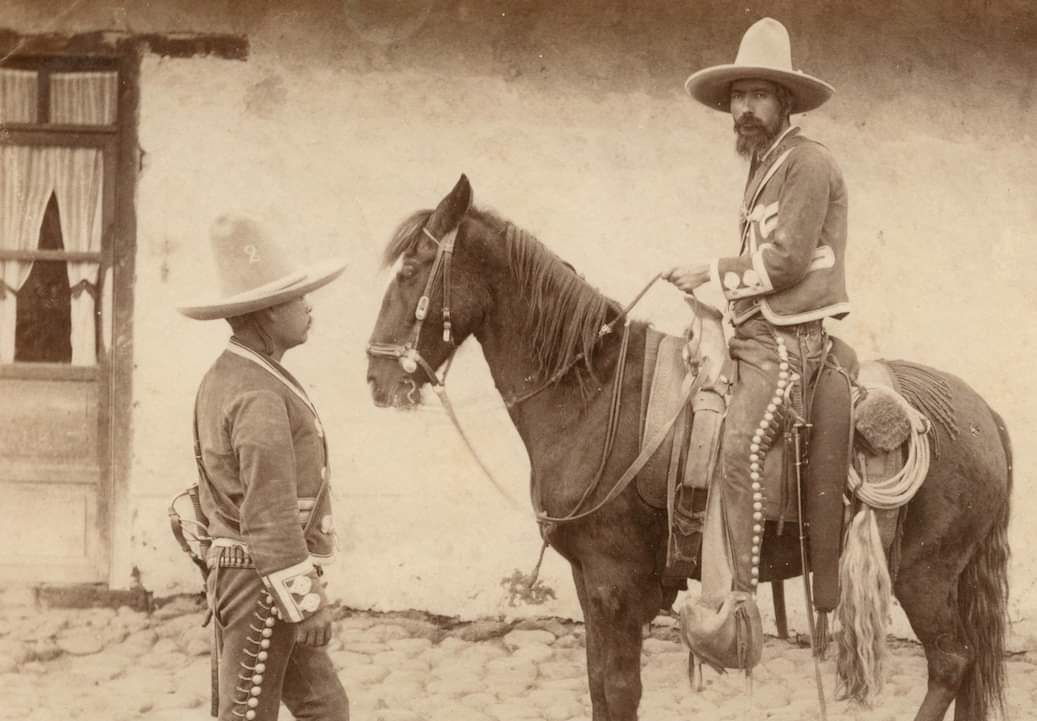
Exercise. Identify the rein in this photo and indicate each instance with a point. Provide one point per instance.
(610, 436)
(410, 359)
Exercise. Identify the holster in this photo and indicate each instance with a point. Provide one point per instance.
(199, 533)
(684, 536)
(708, 406)
(827, 462)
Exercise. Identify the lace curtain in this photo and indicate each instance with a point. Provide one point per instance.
(83, 98)
(18, 96)
(28, 177)
(78, 177)
(86, 98)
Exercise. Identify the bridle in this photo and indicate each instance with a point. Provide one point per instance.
(408, 355)
(410, 358)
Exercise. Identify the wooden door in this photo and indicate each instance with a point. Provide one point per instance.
(59, 136)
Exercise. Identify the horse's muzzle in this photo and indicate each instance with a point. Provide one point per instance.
(400, 392)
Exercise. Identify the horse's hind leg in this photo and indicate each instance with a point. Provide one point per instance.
(952, 581)
(936, 547)
(929, 596)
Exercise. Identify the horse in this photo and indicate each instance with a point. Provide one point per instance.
(466, 272)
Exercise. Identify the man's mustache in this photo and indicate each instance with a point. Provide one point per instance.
(749, 122)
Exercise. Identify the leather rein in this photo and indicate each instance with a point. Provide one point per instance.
(410, 359)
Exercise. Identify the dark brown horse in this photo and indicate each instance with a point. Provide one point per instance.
(538, 324)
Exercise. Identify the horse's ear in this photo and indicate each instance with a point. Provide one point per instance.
(451, 209)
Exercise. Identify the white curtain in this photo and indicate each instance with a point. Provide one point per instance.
(78, 176)
(26, 183)
(18, 96)
(83, 98)
(29, 177)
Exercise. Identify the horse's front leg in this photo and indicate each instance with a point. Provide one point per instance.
(617, 599)
(595, 651)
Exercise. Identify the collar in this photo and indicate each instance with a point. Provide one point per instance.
(788, 131)
(272, 367)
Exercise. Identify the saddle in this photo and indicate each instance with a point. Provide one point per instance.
(677, 477)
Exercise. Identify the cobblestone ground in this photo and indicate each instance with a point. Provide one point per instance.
(121, 665)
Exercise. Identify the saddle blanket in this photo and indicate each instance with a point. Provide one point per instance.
(664, 372)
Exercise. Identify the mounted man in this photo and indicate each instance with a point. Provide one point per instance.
(606, 478)
(788, 277)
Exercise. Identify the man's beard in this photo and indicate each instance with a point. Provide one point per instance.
(759, 140)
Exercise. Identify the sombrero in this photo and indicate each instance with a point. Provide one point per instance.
(764, 54)
(255, 272)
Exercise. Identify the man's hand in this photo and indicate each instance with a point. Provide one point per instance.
(315, 630)
(687, 277)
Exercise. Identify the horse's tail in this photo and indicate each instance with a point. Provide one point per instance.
(983, 610)
(863, 611)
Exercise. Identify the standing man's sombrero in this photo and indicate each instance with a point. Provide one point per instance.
(255, 272)
(764, 54)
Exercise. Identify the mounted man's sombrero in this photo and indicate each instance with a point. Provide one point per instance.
(764, 54)
(255, 272)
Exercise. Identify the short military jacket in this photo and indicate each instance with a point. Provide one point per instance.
(265, 456)
(792, 263)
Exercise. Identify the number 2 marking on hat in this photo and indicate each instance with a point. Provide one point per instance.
(252, 253)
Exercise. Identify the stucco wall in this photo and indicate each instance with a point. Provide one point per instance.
(572, 122)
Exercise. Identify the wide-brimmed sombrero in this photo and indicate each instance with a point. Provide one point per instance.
(255, 272)
(765, 53)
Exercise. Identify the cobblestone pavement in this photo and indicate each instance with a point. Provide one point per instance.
(120, 665)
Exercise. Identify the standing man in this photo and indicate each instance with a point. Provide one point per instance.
(264, 487)
(788, 276)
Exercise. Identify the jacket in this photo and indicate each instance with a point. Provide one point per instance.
(792, 263)
(265, 459)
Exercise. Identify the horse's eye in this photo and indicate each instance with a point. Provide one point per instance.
(406, 273)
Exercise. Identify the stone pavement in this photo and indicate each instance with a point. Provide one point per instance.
(103, 664)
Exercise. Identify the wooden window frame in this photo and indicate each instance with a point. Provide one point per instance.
(105, 138)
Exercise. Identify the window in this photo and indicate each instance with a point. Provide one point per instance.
(58, 118)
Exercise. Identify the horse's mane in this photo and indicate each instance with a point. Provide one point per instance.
(565, 313)
(406, 237)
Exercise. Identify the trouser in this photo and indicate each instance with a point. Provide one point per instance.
(769, 359)
(260, 664)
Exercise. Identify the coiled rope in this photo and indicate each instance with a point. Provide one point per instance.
(901, 487)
